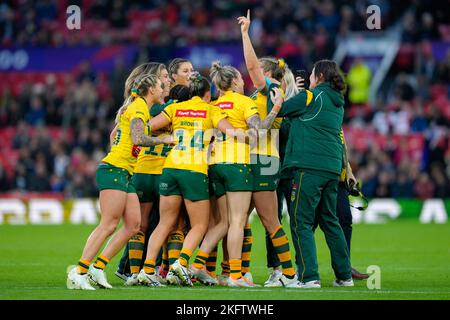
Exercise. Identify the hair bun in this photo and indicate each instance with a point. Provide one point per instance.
(216, 65)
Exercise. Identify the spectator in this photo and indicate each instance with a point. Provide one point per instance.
(21, 177)
(424, 188)
(117, 79)
(37, 113)
(117, 15)
(441, 182)
(5, 184)
(358, 80)
(444, 71)
(419, 122)
(428, 28)
(384, 185)
(369, 178)
(381, 121)
(403, 90)
(410, 32)
(39, 181)
(21, 138)
(61, 160)
(402, 187)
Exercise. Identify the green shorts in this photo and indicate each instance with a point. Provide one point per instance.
(266, 172)
(230, 177)
(108, 176)
(147, 186)
(190, 185)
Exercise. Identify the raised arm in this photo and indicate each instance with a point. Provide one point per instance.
(251, 60)
(139, 138)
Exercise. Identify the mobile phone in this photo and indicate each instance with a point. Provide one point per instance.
(304, 75)
(301, 73)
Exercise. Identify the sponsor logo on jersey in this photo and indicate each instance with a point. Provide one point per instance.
(225, 105)
(187, 123)
(191, 113)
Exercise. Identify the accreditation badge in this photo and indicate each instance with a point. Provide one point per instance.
(294, 191)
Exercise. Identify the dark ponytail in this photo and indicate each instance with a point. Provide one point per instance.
(199, 85)
(328, 71)
(179, 93)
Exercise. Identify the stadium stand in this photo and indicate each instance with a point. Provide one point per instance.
(54, 125)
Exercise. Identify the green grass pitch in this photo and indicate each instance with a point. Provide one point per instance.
(414, 261)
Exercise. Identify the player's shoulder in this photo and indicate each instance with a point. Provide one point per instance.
(181, 104)
(137, 108)
(244, 100)
(137, 104)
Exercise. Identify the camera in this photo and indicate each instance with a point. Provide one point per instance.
(354, 190)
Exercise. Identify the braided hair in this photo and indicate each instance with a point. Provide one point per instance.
(139, 88)
(146, 68)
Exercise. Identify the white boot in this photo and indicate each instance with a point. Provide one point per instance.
(78, 281)
(98, 276)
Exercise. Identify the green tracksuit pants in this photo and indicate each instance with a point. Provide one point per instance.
(314, 195)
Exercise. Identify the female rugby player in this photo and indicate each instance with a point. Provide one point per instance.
(118, 197)
(185, 176)
(266, 74)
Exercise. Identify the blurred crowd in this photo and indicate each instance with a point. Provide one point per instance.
(301, 31)
(413, 99)
(65, 159)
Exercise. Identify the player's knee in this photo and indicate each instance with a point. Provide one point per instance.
(169, 227)
(135, 226)
(109, 225)
(131, 229)
(200, 228)
(223, 227)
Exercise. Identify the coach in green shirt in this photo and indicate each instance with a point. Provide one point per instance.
(314, 158)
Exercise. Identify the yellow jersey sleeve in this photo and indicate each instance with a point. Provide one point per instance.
(216, 115)
(249, 107)
(139, 110)
(169, 111)
(123, 152)
(151, 159)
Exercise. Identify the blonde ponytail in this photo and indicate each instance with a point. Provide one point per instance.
(123, 108)
(291, 88)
